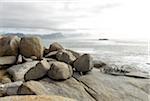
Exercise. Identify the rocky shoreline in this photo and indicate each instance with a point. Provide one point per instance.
(28, 68)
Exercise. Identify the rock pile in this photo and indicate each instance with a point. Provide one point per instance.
(25, 59)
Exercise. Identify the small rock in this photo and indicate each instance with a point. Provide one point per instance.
(19, 60)
(46, 51)
(55, 47)
(84, 63)
(9, 45)
(18, 71)
(10, 88)
(32, 88)
(60, 71)
(99, 64)
(7, 60)
(38, 71)
(24, 59)
(65, 56)
(31, 46)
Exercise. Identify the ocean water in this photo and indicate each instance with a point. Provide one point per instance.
(119, 52)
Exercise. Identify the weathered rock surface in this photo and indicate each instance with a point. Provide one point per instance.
(84, 63)
(65, 56)
(38, 71)
(32, 88)
(4, 77)
(104, 87)
(55, 47)
(10, 88)
(18, 71)
(68, 88)
(9, 45)
(76, 54)
(36, 98)
(31, 46)
(60, 71)
(7, 60)
(51, 54)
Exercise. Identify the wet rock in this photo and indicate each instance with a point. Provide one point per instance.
(31, 46)
(32, 88)
(84, 63)
(18, 71)
(9, 45)
(65, 56)
(7, 60)
(55, 47)
(38, 71)
(60, 71)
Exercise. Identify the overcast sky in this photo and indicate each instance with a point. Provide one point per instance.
(108, 18)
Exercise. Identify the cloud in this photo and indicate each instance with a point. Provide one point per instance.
(49, 14)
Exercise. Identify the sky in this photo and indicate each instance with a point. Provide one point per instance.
(118, 19)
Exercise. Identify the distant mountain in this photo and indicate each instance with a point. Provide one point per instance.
(14, 34)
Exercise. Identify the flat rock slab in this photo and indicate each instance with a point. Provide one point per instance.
(7, 60)
(35, 98)
(18, 71)
(68, 88)
(104, 87)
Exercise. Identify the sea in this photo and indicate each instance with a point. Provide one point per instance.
(120, 52)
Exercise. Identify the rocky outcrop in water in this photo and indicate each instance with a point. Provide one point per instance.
(31, 71)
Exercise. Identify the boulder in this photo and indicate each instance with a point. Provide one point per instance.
(55, 47)
(18, 71)
(60, 71)
(51, 54)
(31, 46)
(9, 45)
(7, 60)
(36, 98)
(84, 63)
(38, 71)
(32, 88)
(76, 54)
(65, 56)
(10, 88)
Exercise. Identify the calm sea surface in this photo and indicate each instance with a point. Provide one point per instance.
(133, 53)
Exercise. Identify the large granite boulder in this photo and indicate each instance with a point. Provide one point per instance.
(10, 88)
(36, 98)
(84, 63)
(9, 45)
(38, 71)
(55, 47)
(31, 46)
(32, 88)
(65, 56)
(18, 71)
(7, 60)
(60, 71)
